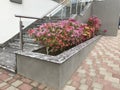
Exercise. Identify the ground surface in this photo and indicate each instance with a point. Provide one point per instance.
(7, 58)
(100, 71)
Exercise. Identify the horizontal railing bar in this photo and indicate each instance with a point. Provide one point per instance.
(21, 16)
(54, 18)
(54, 8)
(30, 17)
(92, 1)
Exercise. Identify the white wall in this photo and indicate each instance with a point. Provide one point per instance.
(108, 11)
(9, 24)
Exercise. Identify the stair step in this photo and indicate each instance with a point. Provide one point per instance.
(26, 45)
(25, 35)
(26, 40)
(8, 68)
(14, 45)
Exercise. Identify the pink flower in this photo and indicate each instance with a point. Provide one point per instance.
(31, 32)
(73, 20)
(94, 22)
(105, 31)
(38, 34)
(49, 34)
(69, 28)
(64, 34)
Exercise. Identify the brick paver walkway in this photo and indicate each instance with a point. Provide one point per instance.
(100, 71)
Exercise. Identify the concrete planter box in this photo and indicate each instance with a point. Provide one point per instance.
(53, 71)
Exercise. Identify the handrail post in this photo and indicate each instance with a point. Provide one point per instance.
(80, 7)
(70, 7)
(62, 13)
(50, 17)
(77, 7)
(21, 34)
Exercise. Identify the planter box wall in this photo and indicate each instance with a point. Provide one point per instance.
(50, 72)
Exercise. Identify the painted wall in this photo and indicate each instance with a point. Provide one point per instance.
(108, 11)
(9, 25)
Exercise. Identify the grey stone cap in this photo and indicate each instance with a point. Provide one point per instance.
(61, 58)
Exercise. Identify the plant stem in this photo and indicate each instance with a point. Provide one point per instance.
(47, 50)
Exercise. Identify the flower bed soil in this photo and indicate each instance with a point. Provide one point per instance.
(43, 50)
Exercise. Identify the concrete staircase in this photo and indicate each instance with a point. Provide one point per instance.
(29, 43)
(7, 56)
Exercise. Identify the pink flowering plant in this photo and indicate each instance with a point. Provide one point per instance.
(61, 35)
(94, 23)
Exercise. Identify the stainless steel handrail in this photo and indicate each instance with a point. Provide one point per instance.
(54, 8)
(29, 17)
(43, 17)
